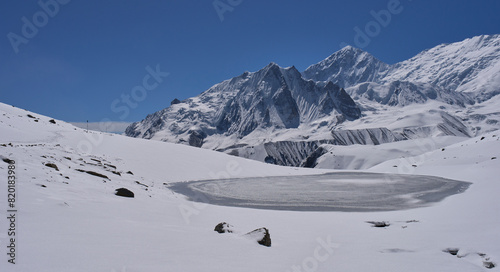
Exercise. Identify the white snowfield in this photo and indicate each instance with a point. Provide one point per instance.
(69, 220)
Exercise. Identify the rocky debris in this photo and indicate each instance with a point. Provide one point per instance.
(93, 173)
(130, 173)
(52, 121)
(489, 264)
(261, 235)
(52, 165)
(96, 160)
(486, 261)
(452, 251)
(110, 165)
(223, 228)
(142, 184)
(378, 224)
(31, 116)
(124, 192)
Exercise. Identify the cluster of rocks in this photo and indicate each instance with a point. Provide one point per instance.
(260, 235)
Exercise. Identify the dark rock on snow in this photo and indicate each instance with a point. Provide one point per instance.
(124, 192)
(52, 165)
(261, 235)
(223, 228)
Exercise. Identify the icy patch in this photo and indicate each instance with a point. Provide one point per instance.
(345, 191)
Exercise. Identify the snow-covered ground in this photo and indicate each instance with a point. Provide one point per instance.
(69, 220)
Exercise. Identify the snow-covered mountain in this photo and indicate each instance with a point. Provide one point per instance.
(471, 66)
(282, 116)
(271, 99)
(347, 68)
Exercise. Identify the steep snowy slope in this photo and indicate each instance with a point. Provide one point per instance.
(347, 68)
(471, 66)
(69, 220)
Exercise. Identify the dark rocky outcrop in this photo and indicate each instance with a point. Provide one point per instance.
(52, 165)
(311, 161)
(196, 138)
(379, 224)
(124, 192)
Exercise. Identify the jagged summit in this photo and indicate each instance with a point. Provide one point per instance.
(272, 98)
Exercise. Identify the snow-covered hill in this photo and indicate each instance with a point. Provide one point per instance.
(69, 219)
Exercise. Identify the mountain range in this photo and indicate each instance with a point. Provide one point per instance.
(287, 117)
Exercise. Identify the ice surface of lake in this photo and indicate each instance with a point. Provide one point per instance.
(341, 191)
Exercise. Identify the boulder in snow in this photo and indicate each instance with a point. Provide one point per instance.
(124, 192)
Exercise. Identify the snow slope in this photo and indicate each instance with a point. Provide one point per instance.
(78, 224)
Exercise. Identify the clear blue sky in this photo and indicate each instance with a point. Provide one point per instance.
(92, 51)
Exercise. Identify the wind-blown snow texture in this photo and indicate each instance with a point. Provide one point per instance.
(281, 116)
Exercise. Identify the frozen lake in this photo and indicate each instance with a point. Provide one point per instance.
(343, 191)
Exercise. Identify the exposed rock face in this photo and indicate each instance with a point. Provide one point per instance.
(196, 138)
(311, 160)
(291, 153)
